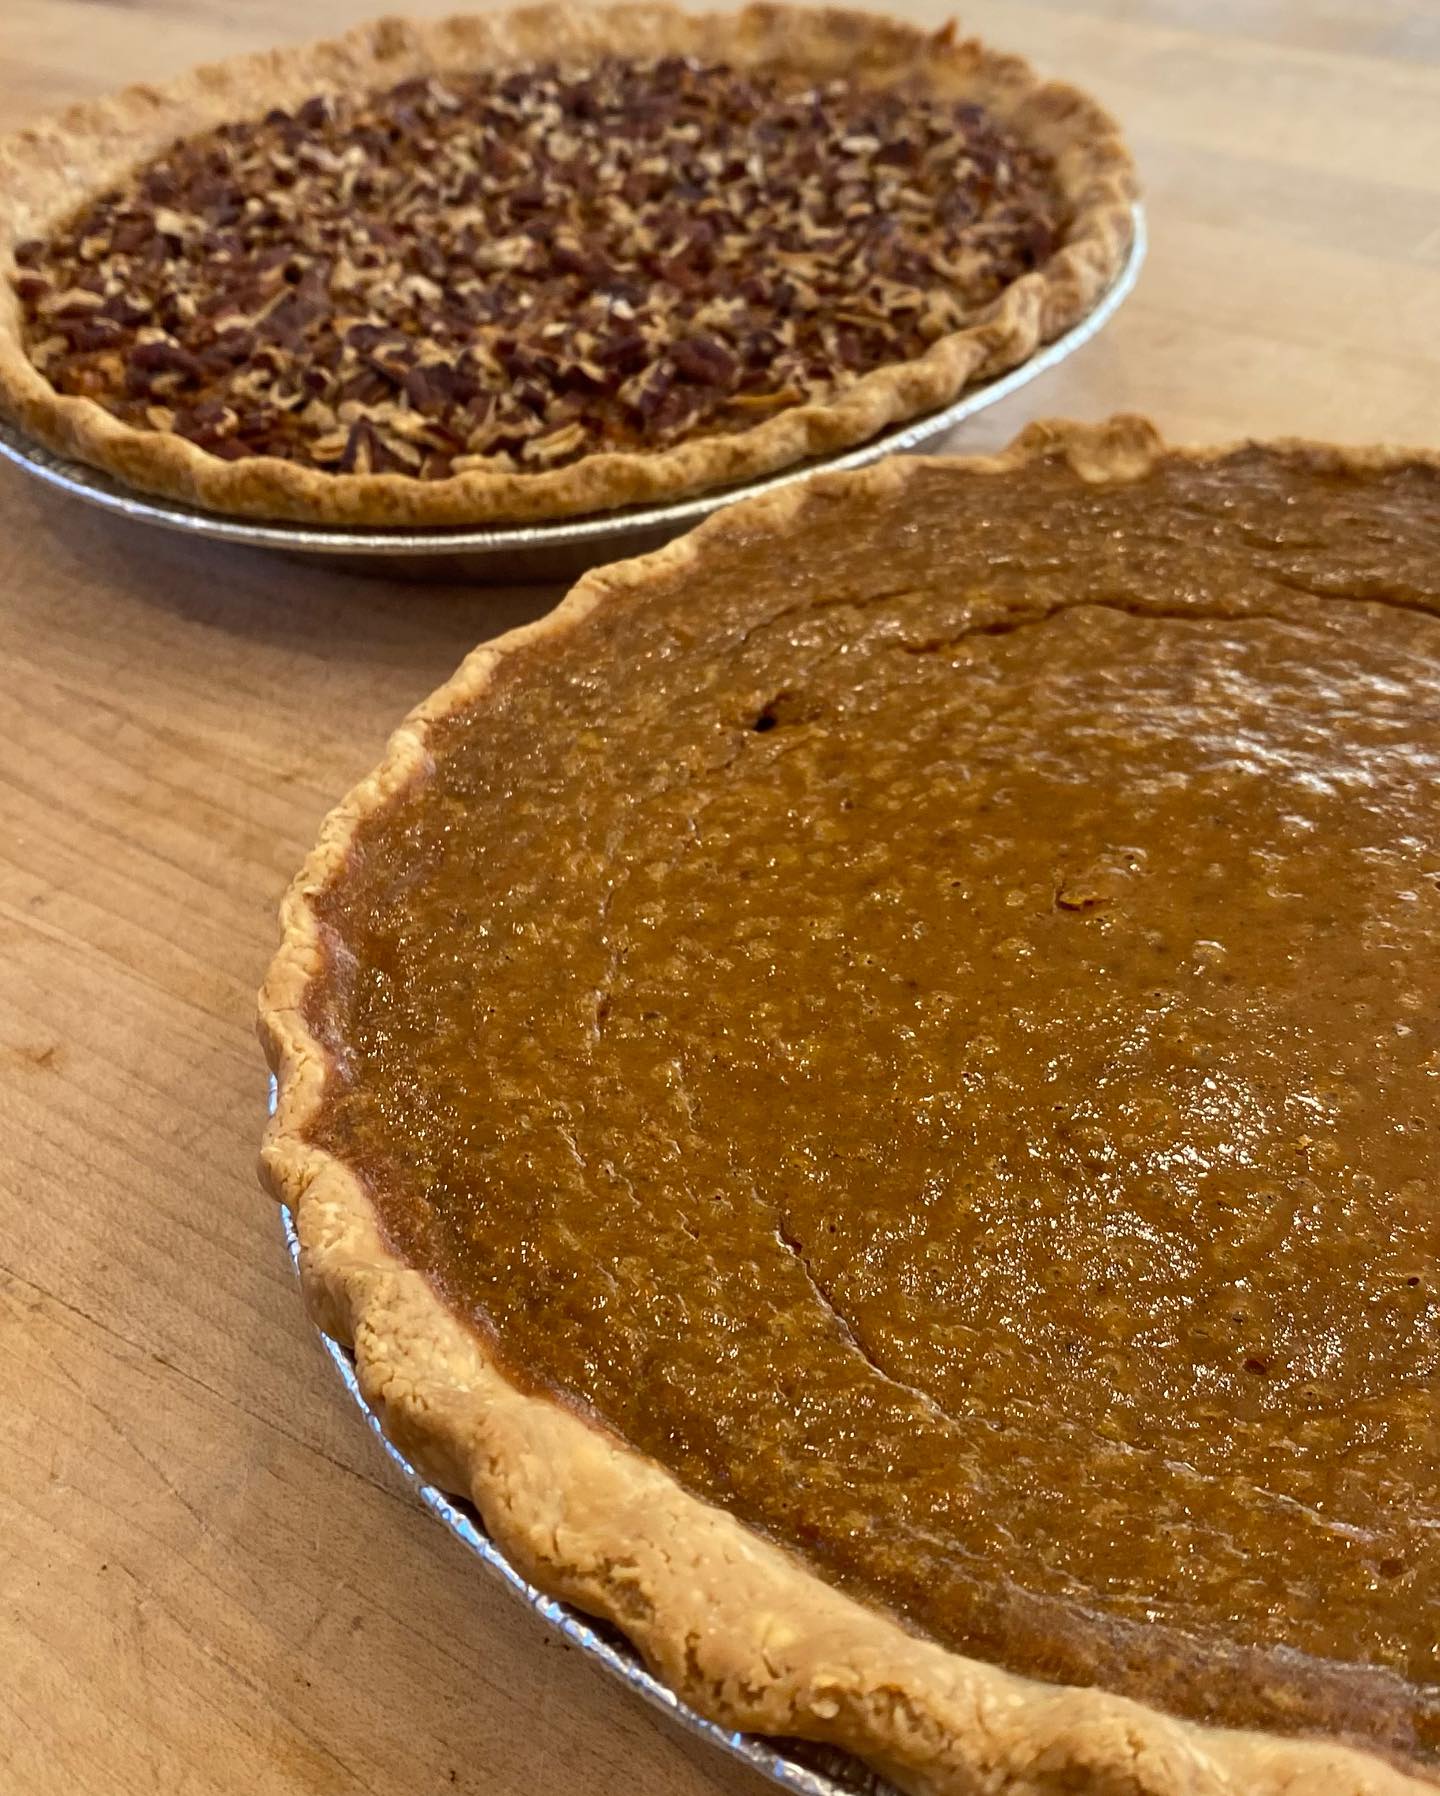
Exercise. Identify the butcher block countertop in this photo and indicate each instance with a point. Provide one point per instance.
(211, 1582)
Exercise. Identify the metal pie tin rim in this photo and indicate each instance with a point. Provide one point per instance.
(606, 1645)
(96, 487)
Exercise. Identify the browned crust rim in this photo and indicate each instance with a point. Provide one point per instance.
(740, 1629)
(100, 140)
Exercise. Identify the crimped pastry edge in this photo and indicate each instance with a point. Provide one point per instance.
(47, 167)
(736, 1625)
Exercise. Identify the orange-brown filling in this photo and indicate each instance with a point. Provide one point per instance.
(926, 1024)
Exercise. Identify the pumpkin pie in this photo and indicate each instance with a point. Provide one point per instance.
(544, 262)
(867, 1088)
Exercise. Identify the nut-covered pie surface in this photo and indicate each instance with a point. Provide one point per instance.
(663, 253)
(868, 1089)
(501, 271)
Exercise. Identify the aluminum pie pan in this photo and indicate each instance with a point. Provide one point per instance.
(795, 1765)
(556, 550)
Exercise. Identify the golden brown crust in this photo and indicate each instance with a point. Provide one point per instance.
(45, 169)
(741, 1630)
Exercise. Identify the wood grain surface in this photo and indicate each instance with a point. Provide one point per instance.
(209, 1580)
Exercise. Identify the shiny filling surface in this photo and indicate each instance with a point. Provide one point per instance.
(924, 1021)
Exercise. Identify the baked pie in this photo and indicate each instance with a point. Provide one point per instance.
(867, 1089)
(545, 262)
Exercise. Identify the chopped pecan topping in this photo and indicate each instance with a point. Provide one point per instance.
(514, 271)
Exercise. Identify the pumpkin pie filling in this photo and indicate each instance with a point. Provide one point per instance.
(925, 1026)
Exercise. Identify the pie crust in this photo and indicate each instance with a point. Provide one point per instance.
(47, 167)
(741, 1630)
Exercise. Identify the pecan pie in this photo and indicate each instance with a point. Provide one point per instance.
(546, 262)
(867, 1088)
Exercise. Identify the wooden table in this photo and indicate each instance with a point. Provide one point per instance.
(209, 1580)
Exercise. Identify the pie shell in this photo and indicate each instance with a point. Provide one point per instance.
(740, 1628)
(48, 168)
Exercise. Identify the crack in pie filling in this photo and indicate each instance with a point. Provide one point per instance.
(913, 1012)
(545, 261)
